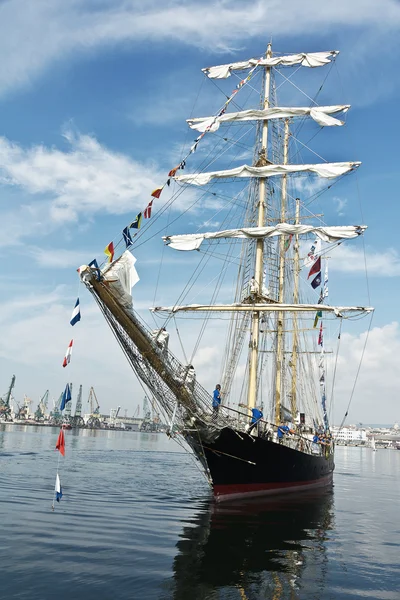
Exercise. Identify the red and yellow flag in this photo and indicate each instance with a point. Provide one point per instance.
(156, 193)
(109, 251)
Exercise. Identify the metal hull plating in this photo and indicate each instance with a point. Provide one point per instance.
(241, 465)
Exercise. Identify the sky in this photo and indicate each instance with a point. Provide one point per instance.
(93, 101)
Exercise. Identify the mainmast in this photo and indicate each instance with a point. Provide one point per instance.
(259, 266)
(296, 272)
(281, 297)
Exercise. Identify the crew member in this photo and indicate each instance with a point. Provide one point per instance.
(257, 415)
(216, 400)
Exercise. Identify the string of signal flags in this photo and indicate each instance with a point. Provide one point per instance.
(127, 237)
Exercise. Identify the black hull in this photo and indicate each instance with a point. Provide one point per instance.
(242, 465)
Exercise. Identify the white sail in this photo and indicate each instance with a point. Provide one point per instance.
(270, 307)
(121, 276)
(320, 114)
(326, 170)
(306, 59)
(193, 241)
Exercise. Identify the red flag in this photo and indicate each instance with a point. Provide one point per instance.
(320, 337)
(147, 210)
(315, 268)
(156, 193)
(61, 442)
(68, 353)
(109, 251)
(172, 172)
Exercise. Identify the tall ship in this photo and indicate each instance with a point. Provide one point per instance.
(265, 429)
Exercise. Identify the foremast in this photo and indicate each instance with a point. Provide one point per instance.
(259, 262)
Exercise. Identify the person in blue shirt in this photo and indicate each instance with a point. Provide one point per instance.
(216, 400)
(256, 416)
(282, 431)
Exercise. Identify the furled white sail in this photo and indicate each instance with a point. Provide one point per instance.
(326, 170)
(320, 114)
(121, 276)
(306, 59)
(193, 241)
(273, 307)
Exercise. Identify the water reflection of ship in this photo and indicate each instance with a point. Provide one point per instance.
(252, 550)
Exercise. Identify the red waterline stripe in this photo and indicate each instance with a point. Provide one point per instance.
(249, 488)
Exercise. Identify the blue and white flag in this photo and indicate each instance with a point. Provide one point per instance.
(66, 397)
(58, 488)
(76, 313)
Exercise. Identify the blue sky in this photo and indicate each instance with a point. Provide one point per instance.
(93, 102)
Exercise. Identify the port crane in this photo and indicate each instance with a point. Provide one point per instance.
(94, 417)
(5, 408)
(77, 419)
(40, 412)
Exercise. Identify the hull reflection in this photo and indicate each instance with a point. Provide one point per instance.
(255, 549)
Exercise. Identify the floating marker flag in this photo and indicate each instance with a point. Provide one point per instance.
(316, 281)
(66, 397)
(156, 193)
(137, 222)
(58, 488)
(147, 210)
(68, 353)
(109, 251)
(60, 445)
(315, 268)
(76, 313)
(127, 237)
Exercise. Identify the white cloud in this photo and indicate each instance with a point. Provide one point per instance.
(59, 258)
(36, 35)
(375, 397)
(341, 204)
(86, 179)
(352, 260)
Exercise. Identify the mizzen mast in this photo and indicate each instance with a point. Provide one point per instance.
(259, 264)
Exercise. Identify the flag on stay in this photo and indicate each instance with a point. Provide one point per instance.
(316, 281)
(315, 268)
(287, 243)
(320, 337)
(156, 193)
(313, 254)
(76, 313)
(66, 397)
(58, 488)
(93, 264)
(318, 315)
(68, 353)
(127, 237)
(325, 290)
(109, 251)
(173, 171)
(60, 445)
(136, 223)
(147, 210)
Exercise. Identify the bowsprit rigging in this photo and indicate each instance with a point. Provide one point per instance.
(277, 439)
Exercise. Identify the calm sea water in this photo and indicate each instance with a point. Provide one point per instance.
(137, 522)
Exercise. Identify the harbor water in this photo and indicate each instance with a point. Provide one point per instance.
(136, 521)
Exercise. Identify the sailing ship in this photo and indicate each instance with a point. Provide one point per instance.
(274, 436)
